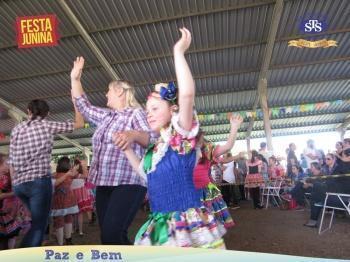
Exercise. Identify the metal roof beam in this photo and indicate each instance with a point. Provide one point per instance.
(226, 130)
(262, 82)
(198, 77)
(223, 121)
(343, 126)
(88, 40)
(221, 110)
(14, 112)
(86, 145)
(203, 50)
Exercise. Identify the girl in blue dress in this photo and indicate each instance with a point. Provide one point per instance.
(177, 216)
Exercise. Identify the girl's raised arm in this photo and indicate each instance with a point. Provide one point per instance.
(185, 80)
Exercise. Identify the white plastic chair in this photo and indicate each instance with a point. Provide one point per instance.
(344, 200)
(271, 189)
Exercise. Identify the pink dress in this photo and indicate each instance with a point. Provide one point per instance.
(82, 195)
(211, 195)
(13, 215)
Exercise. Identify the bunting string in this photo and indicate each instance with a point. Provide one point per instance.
(275, 112)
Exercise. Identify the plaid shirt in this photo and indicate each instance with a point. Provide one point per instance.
(109, 166)
(30, 148)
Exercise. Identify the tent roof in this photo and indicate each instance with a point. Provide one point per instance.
(229, 41)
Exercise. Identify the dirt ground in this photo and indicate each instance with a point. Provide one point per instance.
(268, 230)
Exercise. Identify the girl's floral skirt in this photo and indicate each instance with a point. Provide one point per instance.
(196, 227)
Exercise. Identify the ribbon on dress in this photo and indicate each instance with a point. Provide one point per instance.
(159, 233)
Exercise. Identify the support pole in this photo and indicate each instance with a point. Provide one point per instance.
(266, 115)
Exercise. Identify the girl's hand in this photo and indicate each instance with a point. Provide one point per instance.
(123, 140)
(184, 42)
(74, 171)
(77, 69)
(236, 121)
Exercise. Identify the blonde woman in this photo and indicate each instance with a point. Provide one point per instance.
(119, 190)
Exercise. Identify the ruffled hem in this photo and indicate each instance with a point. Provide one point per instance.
(213, 201)
(65, 211)
(85, 206)
(194, 228)
(84, 198)
(184, 133)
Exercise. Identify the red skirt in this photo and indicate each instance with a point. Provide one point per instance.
(84, 199)
(254, 180)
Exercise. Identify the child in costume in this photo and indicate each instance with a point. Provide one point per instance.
(207, 154)
(64, 203)
(82, 194)
(14, 217)
(176, 218)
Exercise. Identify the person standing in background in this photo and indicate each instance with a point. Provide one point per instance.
(291, 159)
(310, 155)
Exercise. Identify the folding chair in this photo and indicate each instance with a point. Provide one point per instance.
(307, 198)
(272, 189)
(344, 199)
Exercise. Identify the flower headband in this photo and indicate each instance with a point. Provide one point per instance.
(168, 93)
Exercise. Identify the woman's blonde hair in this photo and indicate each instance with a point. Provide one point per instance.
(129, 92)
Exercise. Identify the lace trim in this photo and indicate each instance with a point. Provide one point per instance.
(185, 133)
(157, 156)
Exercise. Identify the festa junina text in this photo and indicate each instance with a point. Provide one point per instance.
(36, 31)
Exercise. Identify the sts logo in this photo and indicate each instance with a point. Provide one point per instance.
(312, 25)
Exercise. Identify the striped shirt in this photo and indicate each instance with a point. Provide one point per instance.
(30, 148)
(109, 166)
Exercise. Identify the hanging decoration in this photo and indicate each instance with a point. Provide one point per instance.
(36, 31)
(310, 25)
(275, 111)
(302, 43)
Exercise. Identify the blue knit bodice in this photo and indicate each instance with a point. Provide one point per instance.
(170, 186)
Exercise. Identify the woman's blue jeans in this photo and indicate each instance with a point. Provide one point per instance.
(36, 195)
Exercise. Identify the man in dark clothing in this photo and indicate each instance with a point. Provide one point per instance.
(318, 195)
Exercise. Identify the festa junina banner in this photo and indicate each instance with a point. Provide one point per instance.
(35, 31)
(96, 253)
